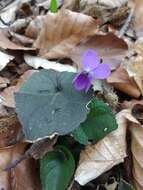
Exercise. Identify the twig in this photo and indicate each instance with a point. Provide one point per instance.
(37, 150)
(126, 24)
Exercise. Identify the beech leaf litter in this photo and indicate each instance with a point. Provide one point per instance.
(71, 94)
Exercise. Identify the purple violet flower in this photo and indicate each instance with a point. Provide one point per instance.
(92, 69)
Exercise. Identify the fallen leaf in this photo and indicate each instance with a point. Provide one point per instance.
(19, 24)
(121, 81)
(4, 82)
(20, 39)
(137, 152)
(38, 62)
(99, 158)
(8, 14)
(8, 93)
(5, 43)
(4, 59)
(106, 10)
(136, 128)
(35, 26)
(68, 31)
(24, 175)
(138, 14)
(106, 3)
(109, 47)
(10, 130)
(134, 66)
(72, 4)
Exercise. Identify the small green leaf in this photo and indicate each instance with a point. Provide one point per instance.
(80, 136)
(53, 6)
(48, 103)
(123, 185)
(100, 121)
(57, 169)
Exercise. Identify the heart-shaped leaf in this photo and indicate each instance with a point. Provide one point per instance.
(100, 121)
(47, 103)
(56, 169)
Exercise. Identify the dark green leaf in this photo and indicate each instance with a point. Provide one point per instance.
(47, 103)
(100, 121)
(53, 6)
(123, 185)
(80, 136)
(57, 169)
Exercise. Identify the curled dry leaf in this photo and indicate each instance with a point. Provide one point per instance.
(62, 31)
(37, 62)
(109, 47)
(17, 38)
(136, 128)
(8, 93)
(121, 81)
(134, 66)
(35, 26)
(99, 158)
(5, 43)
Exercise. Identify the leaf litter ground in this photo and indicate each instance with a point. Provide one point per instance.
(39, 34)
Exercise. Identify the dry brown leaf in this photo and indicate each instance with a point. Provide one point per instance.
(8, 93)
(5, 43)
(10, 130)
(121, 81)
(109, 47)
(136, 128)
(106, 3)
(138, 15)
(4, 59)
(62, 31)
(137, 151)
(134, 66)
(24, 175)
(37, 62)
(99, 158)
(114, 11)
(4, 82)
(72, 4)
(35, 26)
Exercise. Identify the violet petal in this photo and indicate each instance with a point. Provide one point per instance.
(90, 60)
(82, 82)
(101, 72)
